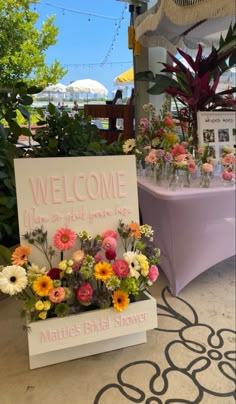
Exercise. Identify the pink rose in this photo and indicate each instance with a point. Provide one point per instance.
(85, 293)
(121, 268)
(227, 175)
(109, 233)
(153, 273)
(207, 168)
(109, 243)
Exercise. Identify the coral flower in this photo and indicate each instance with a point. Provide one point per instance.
(64, 239)
(103, 271)
(42, 285)
(135, 230)
(20, 255)
(121, 268)
(120, 300)
(56, 295)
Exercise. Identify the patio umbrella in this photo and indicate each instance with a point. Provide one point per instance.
(55, 88)
(125, 78)
(87, 86)
(184, 23)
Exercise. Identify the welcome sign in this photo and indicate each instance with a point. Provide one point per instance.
(82, 193)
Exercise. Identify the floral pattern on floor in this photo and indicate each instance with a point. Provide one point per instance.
(199, 358)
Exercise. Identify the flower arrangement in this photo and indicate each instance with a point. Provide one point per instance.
(154, 132)
(228, 162)
(93, 276)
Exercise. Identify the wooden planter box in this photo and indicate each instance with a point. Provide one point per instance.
(62, 339)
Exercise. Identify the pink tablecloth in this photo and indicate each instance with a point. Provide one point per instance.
(194, 228)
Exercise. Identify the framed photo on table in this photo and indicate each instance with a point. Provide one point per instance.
(218, 129)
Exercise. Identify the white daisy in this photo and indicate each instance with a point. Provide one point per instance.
(13, 280)
(129, 145)
(131, 258)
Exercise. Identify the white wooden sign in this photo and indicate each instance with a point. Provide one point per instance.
(82, 193)
(218, 129)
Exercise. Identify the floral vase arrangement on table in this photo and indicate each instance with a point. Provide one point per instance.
(93, 277)
(228, 163)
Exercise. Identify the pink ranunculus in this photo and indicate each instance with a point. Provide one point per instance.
(98, 257)
(207, 168)
(54, 273)
(84, 293)
(153, 273)
(110, 255)
(121, 268)
(227, 175)
(109, 233)
(78, 256)
(56, 295)
(180, 157)
(184, 144)
(109, 243)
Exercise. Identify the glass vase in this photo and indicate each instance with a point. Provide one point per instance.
(159, 174)
(205, 180)
(139, 167)
(174, 181)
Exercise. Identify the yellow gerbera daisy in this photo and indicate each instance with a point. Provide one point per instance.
(20, 255)
(120, 300)
(42, 285)
(103, 271)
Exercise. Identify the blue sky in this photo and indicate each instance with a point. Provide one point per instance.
(85, 39)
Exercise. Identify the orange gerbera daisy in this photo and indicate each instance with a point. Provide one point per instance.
(103, 271)
(42, 285)
(20, 255)
(120, 300)
(135, 230)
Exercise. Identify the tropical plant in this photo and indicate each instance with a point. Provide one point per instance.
(194, 82)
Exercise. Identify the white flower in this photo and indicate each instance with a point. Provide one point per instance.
(134, 266)
(129, 145)
(13, 279)
(34, 269)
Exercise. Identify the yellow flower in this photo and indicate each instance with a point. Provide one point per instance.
(144, 266)
(120, 300)
(39, 305)
(42, 285)
(43, 315)
(47, 305)
(171, 137)
(103, 271)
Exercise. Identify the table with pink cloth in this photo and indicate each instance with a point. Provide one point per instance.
(194, 227)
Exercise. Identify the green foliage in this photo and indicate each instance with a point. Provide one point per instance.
(23, 46)
(62, 135)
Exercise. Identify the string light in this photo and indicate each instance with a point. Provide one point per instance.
(80, 12)
(90, 65)
(114, 38)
